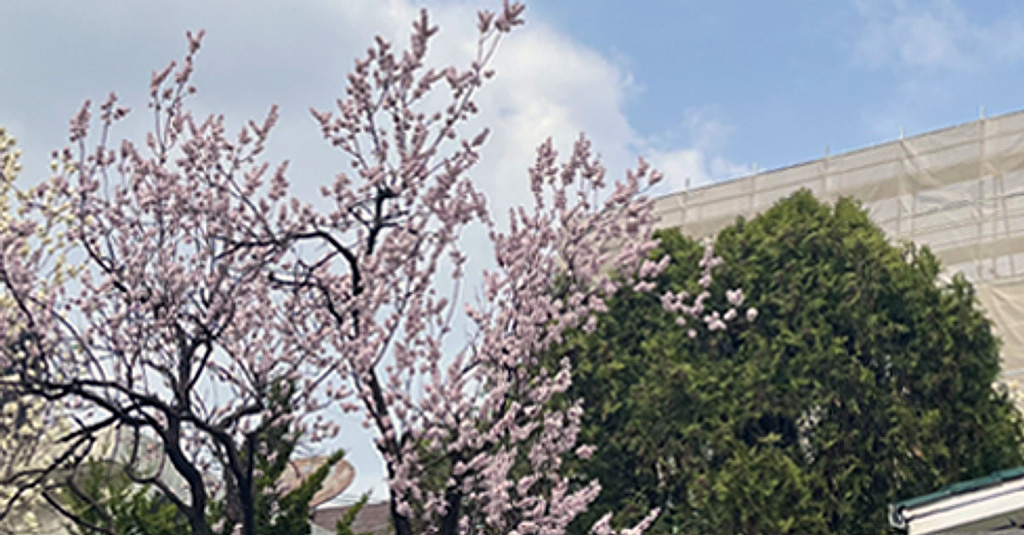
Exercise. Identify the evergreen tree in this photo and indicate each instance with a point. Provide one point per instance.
(866, 380)
(105, 497)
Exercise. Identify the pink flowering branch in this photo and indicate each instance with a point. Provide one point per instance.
(471, 441)
(203, 286)
(169, 330)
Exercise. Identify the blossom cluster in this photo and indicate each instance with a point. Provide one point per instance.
(201, 285)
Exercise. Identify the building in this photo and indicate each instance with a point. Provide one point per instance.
(959, 190)
(990, 504)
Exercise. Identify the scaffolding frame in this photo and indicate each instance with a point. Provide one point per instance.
(958, 190)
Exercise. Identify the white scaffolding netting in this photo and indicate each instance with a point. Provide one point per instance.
(960, 191)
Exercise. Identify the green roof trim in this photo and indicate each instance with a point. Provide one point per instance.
(963, 487)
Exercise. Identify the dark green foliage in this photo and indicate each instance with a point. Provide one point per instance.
(344, 525)
(286, 514)
(863, 381)
(135, 510)
(107, 499)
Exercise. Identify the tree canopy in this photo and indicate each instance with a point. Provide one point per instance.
(200, 282)
(109, 499)
(867, 379)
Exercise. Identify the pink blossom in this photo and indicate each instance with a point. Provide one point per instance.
(204, 285)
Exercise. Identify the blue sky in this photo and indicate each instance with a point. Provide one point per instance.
(779, 81)
(707, 89)
(703, 89)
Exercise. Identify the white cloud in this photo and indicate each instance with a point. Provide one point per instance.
(690, 155)
(935, 36)
(296, 54)
(932, 50)
(683, 168)
(549, 86)
(692, 168)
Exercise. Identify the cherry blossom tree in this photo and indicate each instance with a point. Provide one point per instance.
(20, 431)
(26, 423)
(205, 288)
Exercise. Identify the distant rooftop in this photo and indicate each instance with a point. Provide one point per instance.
(993, 503)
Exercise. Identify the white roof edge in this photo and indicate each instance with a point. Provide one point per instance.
(963, 510)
